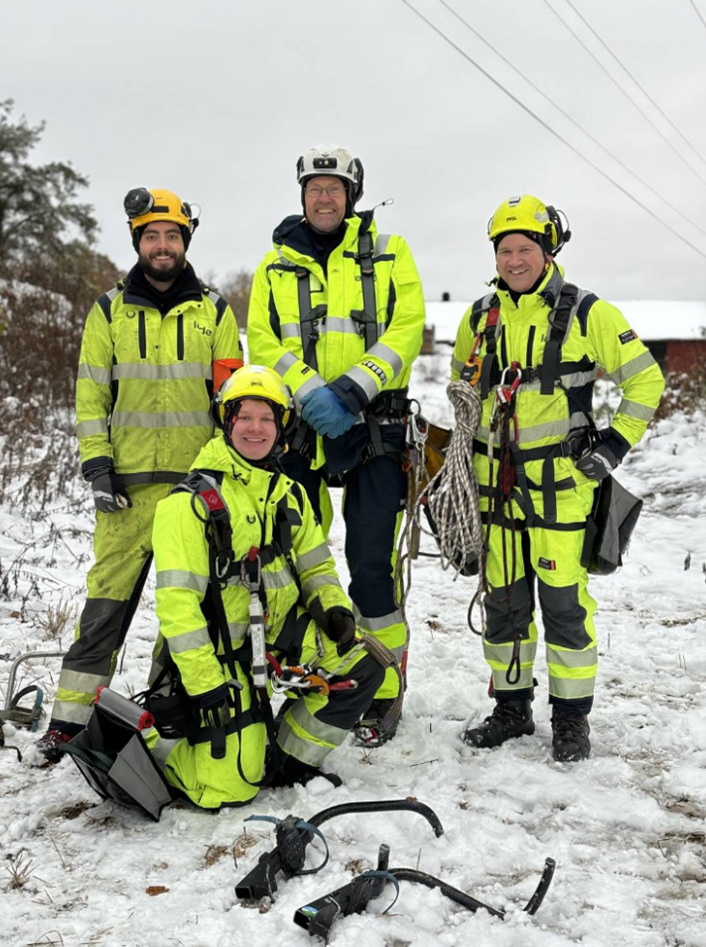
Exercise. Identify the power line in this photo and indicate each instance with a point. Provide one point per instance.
(551, 130)
(624, 91)
(638, 84)
(570, 117)
(698, 12)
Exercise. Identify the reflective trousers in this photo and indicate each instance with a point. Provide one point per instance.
(544, 565)
(373, 509)
(309, 729)
(122, 545)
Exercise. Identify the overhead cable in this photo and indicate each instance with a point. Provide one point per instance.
(570, 117)
(627, 95)
(552, 130)
(698, 12)
(638, 84)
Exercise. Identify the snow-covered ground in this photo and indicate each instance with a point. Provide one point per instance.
(626, 827)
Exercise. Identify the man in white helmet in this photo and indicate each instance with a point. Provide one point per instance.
(338, 311)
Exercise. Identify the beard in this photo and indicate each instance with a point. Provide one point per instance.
(163, 273)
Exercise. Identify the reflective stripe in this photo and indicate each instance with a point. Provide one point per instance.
(189, 640)
(285, 363)
(381, 242)
(382, 623)
(568, 658)
(498, 655)
(85, 428)
(380, 350)
(631, 368)
(317, 582)
(316, 381)
(237, 630)
(161, 750)
(341, 324)
(325, 732)
(457, 364)
(364, 379)
(315, 557)
(571, 688)
(279, 579)
(575, 380)
(632, 409)
(101, 376)
(292, 330)
(537, 432)
(500, 684)
(138, 370)
(82, 681)
(161, 419)
(181, 579)
(72, 712)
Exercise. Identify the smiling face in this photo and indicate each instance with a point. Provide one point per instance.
(325, 202)
(162, 251)
(520, 261)
(254, 430)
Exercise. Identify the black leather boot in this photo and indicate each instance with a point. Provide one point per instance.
(570, 740)
(510, 718)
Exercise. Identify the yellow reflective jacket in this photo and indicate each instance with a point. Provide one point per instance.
(253, 497)
(309, 322)
(145, 381)
(598, 337)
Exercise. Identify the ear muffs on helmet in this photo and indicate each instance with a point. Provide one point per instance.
(527, 214)
(259, 383)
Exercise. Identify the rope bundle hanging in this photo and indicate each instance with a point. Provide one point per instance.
(451, 496)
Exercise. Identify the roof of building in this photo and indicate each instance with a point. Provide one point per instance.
(653, 320)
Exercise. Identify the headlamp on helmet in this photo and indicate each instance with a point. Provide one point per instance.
(144, 207)
(527, 214)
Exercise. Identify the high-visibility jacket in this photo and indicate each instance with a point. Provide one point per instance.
(145, 382)
(597, 336)
(315, 326)
(255, 498)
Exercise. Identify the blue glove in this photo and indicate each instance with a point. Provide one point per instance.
(326, 413)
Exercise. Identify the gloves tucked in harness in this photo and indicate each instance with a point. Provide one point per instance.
(108, 495)
(213, 707)
(326, 413)
(339, 626)
(597, 453)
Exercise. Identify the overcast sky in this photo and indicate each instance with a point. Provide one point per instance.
(217, 100)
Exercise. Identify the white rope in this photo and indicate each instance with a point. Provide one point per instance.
(452, 495)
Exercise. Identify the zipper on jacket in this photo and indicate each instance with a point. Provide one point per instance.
(142, 334)
(180, 336)
(530, 346)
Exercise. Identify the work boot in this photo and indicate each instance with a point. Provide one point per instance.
(570, 741)
(510, 718)
(292, 772)
(371, 730)
(50, 745)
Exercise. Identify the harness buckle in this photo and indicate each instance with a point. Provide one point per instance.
(504, 392)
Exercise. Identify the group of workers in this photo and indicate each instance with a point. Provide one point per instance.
(220, 471)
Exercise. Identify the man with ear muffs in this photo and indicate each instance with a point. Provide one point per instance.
(154, 349)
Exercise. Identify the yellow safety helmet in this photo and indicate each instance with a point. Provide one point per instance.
(259, 383)
(527, 214)
(145, 207)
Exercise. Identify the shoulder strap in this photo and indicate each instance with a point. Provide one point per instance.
(364, 258)
(489, 304)
(106, 301)
(560, 319)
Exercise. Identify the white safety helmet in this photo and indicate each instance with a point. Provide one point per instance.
(334, 161)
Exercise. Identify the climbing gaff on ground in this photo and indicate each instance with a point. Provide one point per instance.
(319, 917)
(13, 712)
(293, 835)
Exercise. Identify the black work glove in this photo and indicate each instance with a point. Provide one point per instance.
(108, 495)
(597, 453)
(340, 627)
(213, 707)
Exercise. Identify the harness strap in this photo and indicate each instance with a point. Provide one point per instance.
(559, 326)
(368, 317)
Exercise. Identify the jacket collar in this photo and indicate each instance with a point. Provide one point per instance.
(139, 291)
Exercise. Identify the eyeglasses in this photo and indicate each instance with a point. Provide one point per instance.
(333, 190)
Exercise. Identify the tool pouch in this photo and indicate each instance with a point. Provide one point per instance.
(114, 759)
(609, 527)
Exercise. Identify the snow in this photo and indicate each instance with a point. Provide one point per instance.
(652, 319)
(625, 827)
